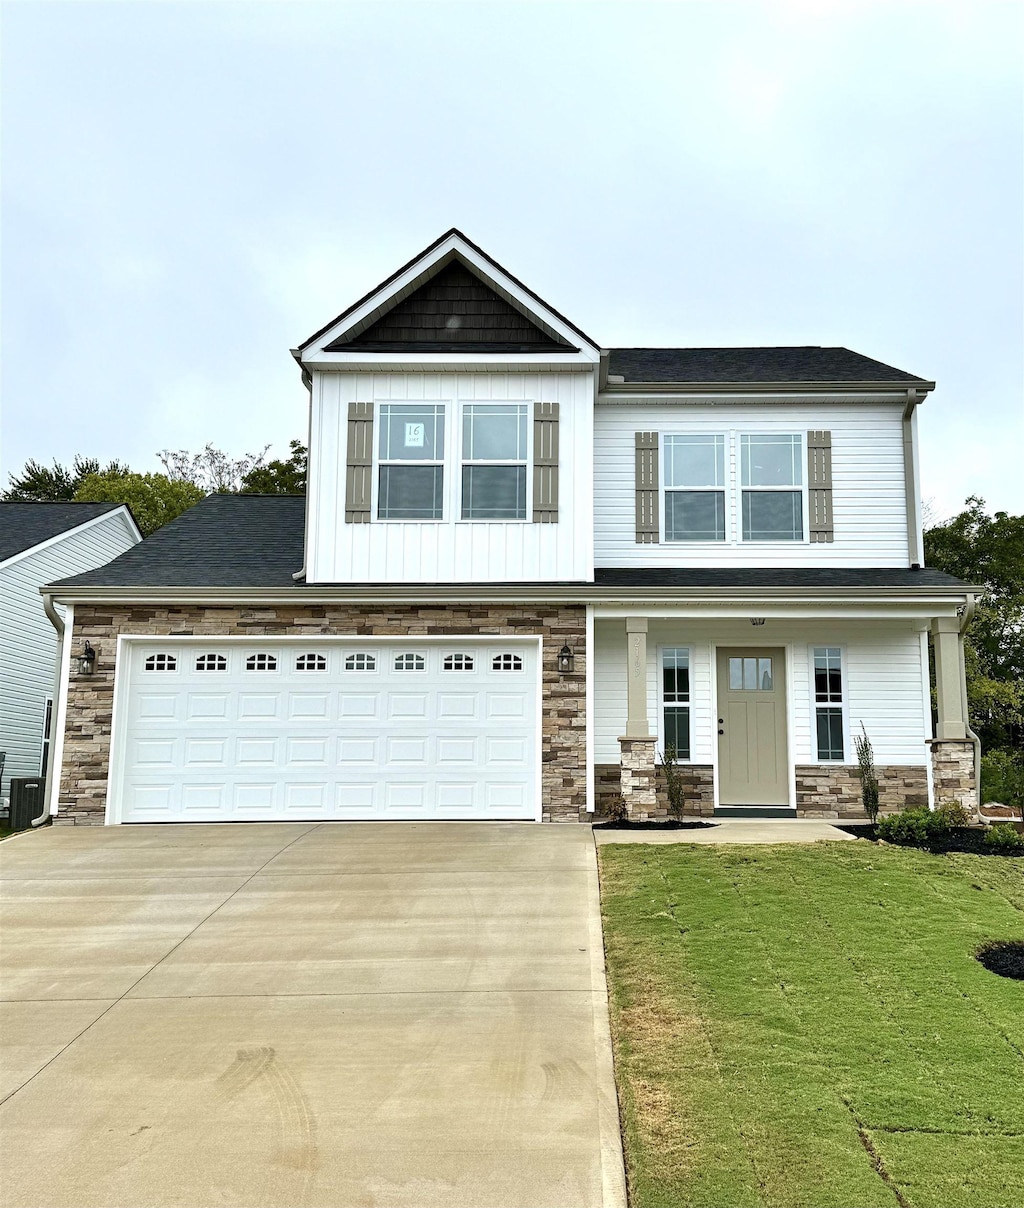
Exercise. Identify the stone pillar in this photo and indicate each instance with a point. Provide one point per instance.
(953, 772)
(637, 770)
(949, 653)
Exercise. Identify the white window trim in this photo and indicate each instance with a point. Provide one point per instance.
(527, 459)
(689, 648)
(733, 490)
(845, 705)
(444, 462)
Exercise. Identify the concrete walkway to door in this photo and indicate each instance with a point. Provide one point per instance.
(398, 1015)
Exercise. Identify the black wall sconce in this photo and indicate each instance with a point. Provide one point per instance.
(87, 661)
(566, 661)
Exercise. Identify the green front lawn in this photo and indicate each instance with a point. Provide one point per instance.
(806, 1026)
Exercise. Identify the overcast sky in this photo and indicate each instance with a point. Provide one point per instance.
(191, 189)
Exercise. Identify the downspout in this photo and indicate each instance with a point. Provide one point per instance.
(58, 623)
(307, 381)
(969, 610)
(911, 483)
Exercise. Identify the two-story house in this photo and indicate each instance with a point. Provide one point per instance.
(525, 566)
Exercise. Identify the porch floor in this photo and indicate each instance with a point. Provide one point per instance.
(735, 830)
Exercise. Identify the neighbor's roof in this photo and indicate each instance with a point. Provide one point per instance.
(747, 365)
(23, 525)
(255, 541)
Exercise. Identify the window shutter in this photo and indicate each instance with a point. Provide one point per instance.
(359, 465)
(819, 484)
(545, 463)
(647, 488)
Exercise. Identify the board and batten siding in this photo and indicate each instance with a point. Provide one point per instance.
(450, 550)
(28, 642)
(868, 485)
(885, 682)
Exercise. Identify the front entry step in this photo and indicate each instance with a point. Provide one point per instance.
(754, 811)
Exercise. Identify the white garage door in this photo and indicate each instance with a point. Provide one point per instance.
(219, 731)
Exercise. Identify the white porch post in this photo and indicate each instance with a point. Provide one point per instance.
(637, 723)
(637, 770)
(948, 656)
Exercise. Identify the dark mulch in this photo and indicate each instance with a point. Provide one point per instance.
(969, 839)
(1005, 957)
(654, 824)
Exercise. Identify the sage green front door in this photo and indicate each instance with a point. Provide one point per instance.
(752, 766)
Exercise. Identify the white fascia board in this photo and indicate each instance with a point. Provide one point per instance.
(120, 512)
(378, 303)
(743, 396)
(449, 362)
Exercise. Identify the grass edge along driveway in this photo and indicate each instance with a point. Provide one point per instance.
(806, 1027)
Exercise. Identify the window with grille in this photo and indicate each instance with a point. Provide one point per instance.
(161, 662)
(360, 662)
(750, 674)
(695, 488)
(410, 662)
(211, 662)
(494, 453)
(828, 702)
(411, 462)
(311, 662)
(458, 662)
(507, 662)
(675, 699)
(261, 662)
(772, 488)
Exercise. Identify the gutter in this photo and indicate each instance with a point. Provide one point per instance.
(969, 611)
(616, 386)
(58, 624)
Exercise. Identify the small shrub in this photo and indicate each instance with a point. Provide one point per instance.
(949, 814)
(1004, 839)
(674, 786)
(868, 775)
(909, 827)
(617, 811)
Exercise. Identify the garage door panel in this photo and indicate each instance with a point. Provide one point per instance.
(324, 731)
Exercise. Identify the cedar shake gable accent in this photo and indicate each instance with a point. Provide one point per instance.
(454, 311)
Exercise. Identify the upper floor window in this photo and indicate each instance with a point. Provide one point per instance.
(411, 457)
(695, 488)
(494, 458)
(771, 481)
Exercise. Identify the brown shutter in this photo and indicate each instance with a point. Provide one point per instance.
(647, 488)
(819, 485)
(545, 463)
(359, 463)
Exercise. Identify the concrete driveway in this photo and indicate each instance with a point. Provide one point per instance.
(398, 1015)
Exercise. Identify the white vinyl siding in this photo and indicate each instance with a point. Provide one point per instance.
(28, 640)
(868, 495)
(883, 678)
(451, 550)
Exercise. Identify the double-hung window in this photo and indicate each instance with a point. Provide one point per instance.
(675, 681)
(695, 488)
(828, 702)
(494, 461)
(771, 488)
(411, 457)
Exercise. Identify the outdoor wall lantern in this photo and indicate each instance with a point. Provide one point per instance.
(757, 620)
(87, 661)
(566, 661)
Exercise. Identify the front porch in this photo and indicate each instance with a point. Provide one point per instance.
(763, 704)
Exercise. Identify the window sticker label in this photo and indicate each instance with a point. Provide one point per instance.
(414, 434)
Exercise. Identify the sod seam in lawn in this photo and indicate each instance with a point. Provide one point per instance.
(806, 1026)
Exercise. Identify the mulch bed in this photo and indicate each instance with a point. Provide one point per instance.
(969, 839)
(1005, 957)
(654, 824)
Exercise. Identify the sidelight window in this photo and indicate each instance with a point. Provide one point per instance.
(675, 699)
(828, 702)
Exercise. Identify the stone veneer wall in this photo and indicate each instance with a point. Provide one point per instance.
(83, 774)
(698, 778)
(953, 772)
(826, 790)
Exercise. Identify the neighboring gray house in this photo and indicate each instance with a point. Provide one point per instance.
(38, 543)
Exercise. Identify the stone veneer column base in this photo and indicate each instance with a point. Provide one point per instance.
(638, 777)
(832, 790)
(953, 772)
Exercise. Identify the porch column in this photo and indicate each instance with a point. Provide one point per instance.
(637, 770)
(948, 656)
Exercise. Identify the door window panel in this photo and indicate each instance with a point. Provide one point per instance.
(748, 674)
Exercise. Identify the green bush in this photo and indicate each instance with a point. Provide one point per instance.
(1002, 778)
(949, 814)
(1004, 838)
(909, 827)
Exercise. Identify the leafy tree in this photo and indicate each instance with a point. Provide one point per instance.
(279, 477)
(989, 551)
(154, 499)
(42, 484)
(211, 470)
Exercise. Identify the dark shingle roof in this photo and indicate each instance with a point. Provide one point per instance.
(23, 525)
(772, 578)
(224, 541)
(809, 364)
